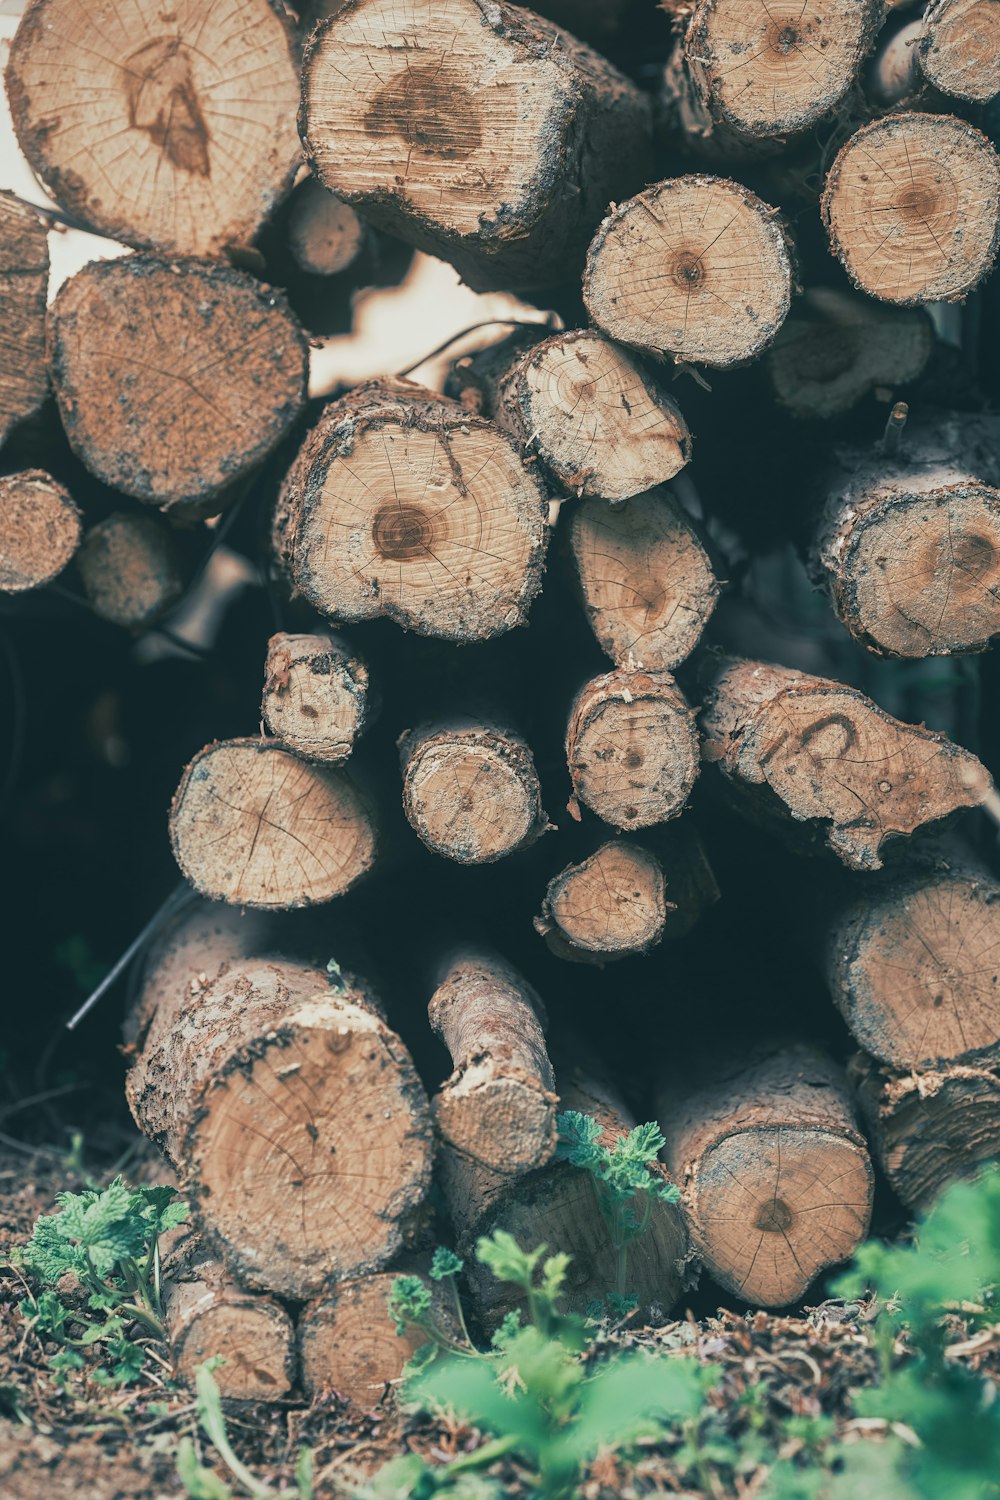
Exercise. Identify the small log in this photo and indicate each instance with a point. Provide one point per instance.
(696, 267)
(325, 236)
(470, 791)
(210, 1317)
(176, 132)
(924, 226)
(793, 747)
(317, 697)
(176, 378)
(647, 583)
(960, 48)
(914, 968)
(131, 569)
(612, 905)
(632, 748)
(39, 530)
(499, 1106)
(477, 132)
(929, 1128)
(837, 347)
(893, 75)
(775, 1176)
(600, 424)
(295, 1119)
(908, 544)
(256, 826)
(24, 279)
(457, 548)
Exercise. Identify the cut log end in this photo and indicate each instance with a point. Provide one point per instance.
(912, 208)
(471, 794)
(251, 1335)
(695, 267)
(256, 826)
(348, 1342)
(130, 569)
(610, 906)
(39, 530)
(24, 276)
(325, 235)
(960, 48)
(316, 695)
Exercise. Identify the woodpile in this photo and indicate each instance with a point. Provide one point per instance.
(564, 683)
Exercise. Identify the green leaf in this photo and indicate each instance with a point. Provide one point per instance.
(445, 1263)
(554, 1275)
(200, 1484)
(409, 1302)
(577, 1137)
(641, 1145)
(304, 1474)
(501, 1254)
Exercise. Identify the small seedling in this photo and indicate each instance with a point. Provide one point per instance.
(204, 1484)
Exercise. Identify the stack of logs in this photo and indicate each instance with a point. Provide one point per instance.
(289, 1108)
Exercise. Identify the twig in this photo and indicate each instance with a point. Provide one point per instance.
(473, 328)
(177, 898)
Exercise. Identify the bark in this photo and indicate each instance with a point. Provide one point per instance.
(647, 583)
(612, 905)
(498, 1108)
(295, 1118)
(257, 826)
(402, 504)
(499, 157)
(908, 545)
(132, 569)
(697, 268)
(632, 748)
(794, 748)
(836, 347)
(155, 137)
(174, 379)
(325, 236)
(775, 1176)
(470, 790)
(926, 226)
(317, 695)
(39, 530)
(210, 1317)
(960, 48)
(24, 277)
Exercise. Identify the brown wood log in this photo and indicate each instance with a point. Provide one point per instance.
(174, 378)
(924, 224)
(39, 530)
(556, 1206)
(498, 1108)
(775, 1176)
(402, 504)
(317, 697)
(325, 236)
(470, 790)
(175, 131)
(914, 968)
(475, 131)
(893, 75)
(209, 1317)
(632, 748)
(647, 583)
(296, 1121)
(131, 568)
(257, 826)
(24, 278)
(600, 423)
(929, 1128)
(794, 748)
(698, 268)
(908, 544)
(960, 48)
(836, 347)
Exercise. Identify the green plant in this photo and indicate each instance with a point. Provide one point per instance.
(204, 1484)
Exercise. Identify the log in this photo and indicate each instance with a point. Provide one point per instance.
(174, 379)
(325, 236)
(794, 748)
(477, 132)
(131, 569)
(317, 699)
(775, 1176)
(611, 905)
(470, 791)
(914, 968)
(632, 748)
(924, 225)
(960, 48)
(402, 504)
(24, 279)
(908, 543)
(176, 132)
(298, 1126)
(498, 1108)
(836, 347)
(39, 530)
(929, 1128)
(893, 75)
(647, 583)
(698, 268)
(256, 826)
(600, 424)
(209, 1317)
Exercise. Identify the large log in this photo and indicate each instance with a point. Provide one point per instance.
(960, 48)
(24, 278)
(774, 1174)
(402, 504)
(132, 569)
(39, 530)
(317, 698)
(474, 130)
(173, 129)
(794, 748)
(207, 1316)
